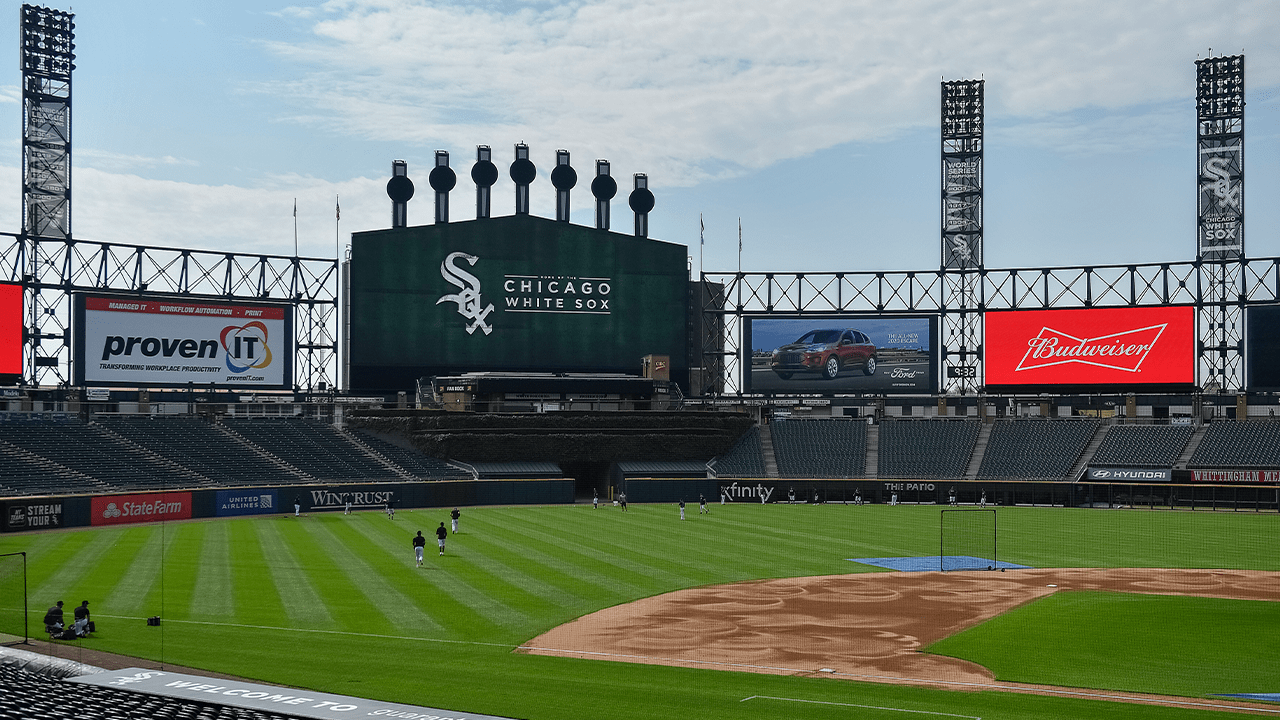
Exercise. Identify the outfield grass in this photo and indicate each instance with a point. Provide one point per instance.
(334, 603)
(1142, 643)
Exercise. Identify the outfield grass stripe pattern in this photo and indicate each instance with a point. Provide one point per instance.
(334, 602)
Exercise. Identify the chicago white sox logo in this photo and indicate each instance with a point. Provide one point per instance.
(468, 299)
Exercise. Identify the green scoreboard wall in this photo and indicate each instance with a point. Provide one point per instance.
(517, 294)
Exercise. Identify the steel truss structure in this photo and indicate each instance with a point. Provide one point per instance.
(50, 270)
(963, 110)
(927, 292)
(1220, 216)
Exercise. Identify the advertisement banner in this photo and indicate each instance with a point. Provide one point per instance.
(150, 507)
(32, 515)
(851, 353)
(1235, 476)
(1262, 348)
(365, 497)
(1126, 347)
(1111, 474)
(10, 330)
(246, 502)
(146, 340)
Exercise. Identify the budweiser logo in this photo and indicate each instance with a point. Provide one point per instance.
(1117, 351)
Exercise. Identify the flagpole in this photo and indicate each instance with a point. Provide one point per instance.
(295, 227)
(739, 246)
(702, 242)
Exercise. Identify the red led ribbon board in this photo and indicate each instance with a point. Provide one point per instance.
(10, 329)
(1118, 347)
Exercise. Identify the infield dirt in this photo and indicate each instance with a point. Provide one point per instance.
(866, 626)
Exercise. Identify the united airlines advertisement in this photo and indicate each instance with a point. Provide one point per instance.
(841, 354)
(154, 341)
(1100, 347)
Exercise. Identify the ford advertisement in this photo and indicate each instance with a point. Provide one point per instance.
(1120, 348)
(146, 340)
(841, 354)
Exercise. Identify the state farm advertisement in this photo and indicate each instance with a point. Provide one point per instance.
(148, 341)
(1102, 346)
(151, 507)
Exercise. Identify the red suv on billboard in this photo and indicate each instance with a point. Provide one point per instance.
(826, 352)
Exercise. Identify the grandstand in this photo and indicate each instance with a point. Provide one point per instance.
(1141, 446)
(318, 450)
(820, 448)
(746, 459)
(935, 449)
(1239, 445)
(1035, 449)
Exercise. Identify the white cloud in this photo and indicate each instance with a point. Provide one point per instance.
(693, 91)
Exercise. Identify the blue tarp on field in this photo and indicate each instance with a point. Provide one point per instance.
(935, 562)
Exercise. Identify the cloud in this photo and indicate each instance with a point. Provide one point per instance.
(121, 162)
(695, 92)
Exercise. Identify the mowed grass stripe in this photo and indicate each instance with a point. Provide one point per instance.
(447, 578)
(548, 588)
(625, 560)
(138, 592)
(303, 604)
(348, 604)
(213, 597)
(382, 578)
(594, 568)
(89, 576)
(183, 566)
(257, 601)
(576, 579)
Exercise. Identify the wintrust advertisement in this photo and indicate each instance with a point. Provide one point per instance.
(150, 341)
(151, 507)
(10, 331)
(1113, 347)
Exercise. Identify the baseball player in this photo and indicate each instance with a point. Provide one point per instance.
(419, 544)
(681, 508)
(455, 515)
(702, 505)
(441, 534)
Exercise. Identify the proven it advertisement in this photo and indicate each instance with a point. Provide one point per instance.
(150, 341)
(1123, 347)
(150, 507)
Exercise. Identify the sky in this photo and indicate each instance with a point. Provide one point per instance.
(814, 123)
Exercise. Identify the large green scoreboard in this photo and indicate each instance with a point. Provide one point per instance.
(512, 294)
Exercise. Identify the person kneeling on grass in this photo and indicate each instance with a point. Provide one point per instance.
(83, 625)
(441, 534)
(53, 619)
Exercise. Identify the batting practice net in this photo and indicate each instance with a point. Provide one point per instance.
(13, 596)
(968, 540)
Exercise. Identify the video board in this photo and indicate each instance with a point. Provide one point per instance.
(1114, 348)
(513, 294)
(10, 333)
(841, 354)
(151, 341)
(1262, 348)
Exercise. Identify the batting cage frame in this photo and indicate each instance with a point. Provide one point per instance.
(969, 545)
(4, 602)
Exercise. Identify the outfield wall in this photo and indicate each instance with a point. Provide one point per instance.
(1067, 494)
(46, 513)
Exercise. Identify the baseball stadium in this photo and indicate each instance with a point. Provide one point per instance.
(961, 492)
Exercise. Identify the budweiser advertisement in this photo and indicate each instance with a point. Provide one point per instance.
(151, 507)
(1124, 347)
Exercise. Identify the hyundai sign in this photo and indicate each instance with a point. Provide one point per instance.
(148, 341)
(1101, 347)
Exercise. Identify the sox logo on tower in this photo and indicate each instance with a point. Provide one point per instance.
(468, 298)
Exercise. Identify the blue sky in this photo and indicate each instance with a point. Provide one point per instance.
(197, 124)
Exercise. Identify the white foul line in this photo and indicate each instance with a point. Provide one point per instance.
(868, 707)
